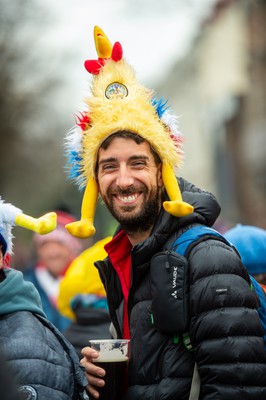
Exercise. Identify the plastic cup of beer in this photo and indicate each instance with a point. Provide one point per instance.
(113, 358)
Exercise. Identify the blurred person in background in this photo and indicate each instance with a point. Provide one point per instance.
(36, 360)
(82, 298)
(54, 252)
(250, 241)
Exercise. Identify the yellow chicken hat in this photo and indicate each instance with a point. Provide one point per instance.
(118, 102)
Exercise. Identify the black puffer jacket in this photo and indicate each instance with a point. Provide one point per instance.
(224, 327)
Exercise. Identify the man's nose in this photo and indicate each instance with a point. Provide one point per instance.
(124, 178)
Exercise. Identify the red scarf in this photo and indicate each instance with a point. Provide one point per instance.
(119, 252)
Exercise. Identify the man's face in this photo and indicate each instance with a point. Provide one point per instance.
(130, 183)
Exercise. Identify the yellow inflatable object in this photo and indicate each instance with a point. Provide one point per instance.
(118, 102)
(82, 277)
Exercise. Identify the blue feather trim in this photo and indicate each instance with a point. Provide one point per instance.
(73, 164)
(160, 106)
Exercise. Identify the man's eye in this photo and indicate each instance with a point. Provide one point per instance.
(139, 164)
(108, 167)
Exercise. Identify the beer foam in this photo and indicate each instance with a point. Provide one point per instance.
(109, 353)
(108, 358)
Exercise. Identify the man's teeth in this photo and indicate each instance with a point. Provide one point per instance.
(128, 199)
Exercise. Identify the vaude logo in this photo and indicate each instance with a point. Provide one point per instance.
(174, 293)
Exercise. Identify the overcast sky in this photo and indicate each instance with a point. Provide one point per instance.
(153, 34)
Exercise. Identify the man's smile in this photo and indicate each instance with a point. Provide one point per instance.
(128, 199)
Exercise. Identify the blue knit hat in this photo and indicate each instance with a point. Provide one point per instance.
(250, 242)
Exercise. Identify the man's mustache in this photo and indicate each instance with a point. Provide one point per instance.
(130, 190)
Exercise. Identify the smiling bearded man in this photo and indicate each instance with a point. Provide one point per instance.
(127, 146)
(125, 161)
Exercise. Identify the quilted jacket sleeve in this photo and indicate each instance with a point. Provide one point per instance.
(42, 362)
(225, 326)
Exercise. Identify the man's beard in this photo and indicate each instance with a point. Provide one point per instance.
(142, 220)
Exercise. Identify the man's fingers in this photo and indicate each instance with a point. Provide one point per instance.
(92, 392)
(94, 383)
(94, 374)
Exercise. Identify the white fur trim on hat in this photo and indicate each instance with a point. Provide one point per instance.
(8, 213)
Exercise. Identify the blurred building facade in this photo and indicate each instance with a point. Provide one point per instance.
(219, 91)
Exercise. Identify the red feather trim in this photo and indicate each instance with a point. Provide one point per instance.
(177, 142)
(83, 120)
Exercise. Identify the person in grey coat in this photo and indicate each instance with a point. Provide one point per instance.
(42, 363)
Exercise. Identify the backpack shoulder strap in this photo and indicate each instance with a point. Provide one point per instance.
(192, 235)
(262, 309)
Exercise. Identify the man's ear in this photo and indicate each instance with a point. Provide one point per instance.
(160, 175)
